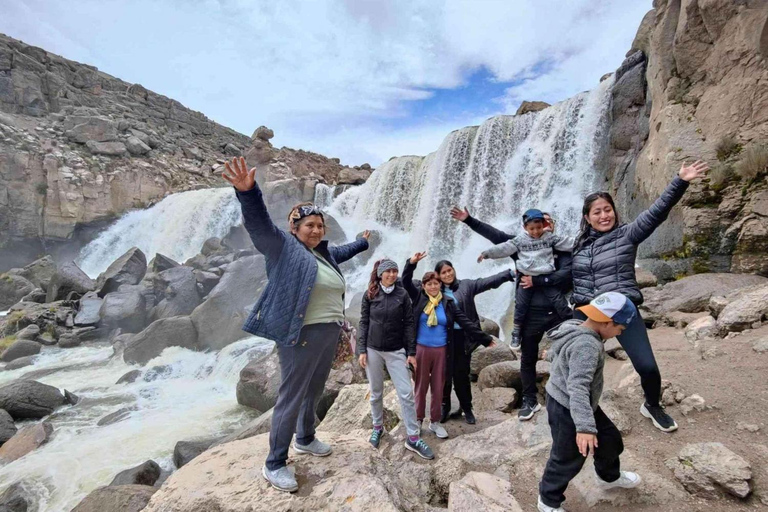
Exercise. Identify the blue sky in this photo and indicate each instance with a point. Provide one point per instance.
(362, 80)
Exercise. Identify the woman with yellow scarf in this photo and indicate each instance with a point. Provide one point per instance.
(435, 316)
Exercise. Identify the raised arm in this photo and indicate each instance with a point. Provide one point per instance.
(407, 279)
(564, 243)
(502, 250)
(342, 253)
(496, 236)
(470, 328)
(267, 238)
(491, 282)
(647, 222)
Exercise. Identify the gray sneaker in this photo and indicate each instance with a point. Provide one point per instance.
(281, 479)
(420, 448)
(316, 448)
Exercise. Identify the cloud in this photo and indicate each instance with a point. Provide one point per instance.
(337, 76)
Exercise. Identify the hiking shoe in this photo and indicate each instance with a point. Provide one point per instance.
(438, 430)
(445, 413)
(375, 438)
(627, 480)
(316, 448)
(469, 417)
(547, 508)
(420, 448)
(514, 343)
(660, 419)
(528, 409)
(281, 479)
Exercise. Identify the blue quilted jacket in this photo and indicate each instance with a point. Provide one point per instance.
(291, 270)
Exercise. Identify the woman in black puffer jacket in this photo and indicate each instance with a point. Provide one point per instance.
(604, 261)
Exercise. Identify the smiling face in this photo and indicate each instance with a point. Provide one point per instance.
(432, 287)
(388, 277)
(310, 230)
(601, 215)
(447, 274)
(535, 228)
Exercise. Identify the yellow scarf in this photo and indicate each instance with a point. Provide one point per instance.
(431, 307)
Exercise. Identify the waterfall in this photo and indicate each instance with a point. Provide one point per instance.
(176, 227)
(549, 160)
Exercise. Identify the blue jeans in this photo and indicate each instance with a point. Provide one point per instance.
(634, 340)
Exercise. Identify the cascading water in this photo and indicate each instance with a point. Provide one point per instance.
(324, 195)
(176, 227)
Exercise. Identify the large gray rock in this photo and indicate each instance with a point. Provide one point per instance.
(707, 468)
(352, 176)
(483, 357)
(507, 375)
(25, 399)
(185, 451)
(176, 331)
(99, 129)
(744, 310)
(40, 272)
(127, 269)
(14, 499)
(106, 148)
(125, 310)
(146, 473)
(206, 281)
(704, 327)
(178, 288)
(12, 289)
(7, 427)
(76, 337)
(136, 147)
(88, 315)
(352, 313)
(258, 426)
(161, 262)
(219, 320)
(259, 382)
(30, 332)
(352, 410)
(27, 439)
(19, 349)
(19, 363)
(68, 278)
(117, 498)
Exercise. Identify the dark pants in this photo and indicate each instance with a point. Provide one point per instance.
(634, 340)
(538, 322)
(430, 376)
(457, 374)
(304, 368)
(553, 294)
(565, 461)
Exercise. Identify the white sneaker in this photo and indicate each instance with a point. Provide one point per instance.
(547, 508)
(627, 480)
(438, 430)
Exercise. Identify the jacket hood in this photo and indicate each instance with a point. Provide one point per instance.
(566, 333)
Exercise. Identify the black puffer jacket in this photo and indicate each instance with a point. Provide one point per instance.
(605, 262)
(386, 322)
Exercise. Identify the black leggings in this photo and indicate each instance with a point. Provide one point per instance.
(634, 340)
(457, 372)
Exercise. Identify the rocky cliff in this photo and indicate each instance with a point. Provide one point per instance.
(695, 85)
(79, 147)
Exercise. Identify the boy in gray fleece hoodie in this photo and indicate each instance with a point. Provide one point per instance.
(575, 384)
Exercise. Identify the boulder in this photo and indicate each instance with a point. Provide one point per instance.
(482, 491)
(531, 106)
(106, 148)
(220, 318)
(258, 426)
(176, 289)
(40, 272)
(760, 346)
(116, 417)
(644, 278)
(704, 327)
(97, 129)
(37, 295)
(136, 147)
(352, 313)
(146, 473)
(160, 263)
(692, 403)
(27, 439)
(263, 133)
(25, 399)
(206, 281)
(129, 378)
(68, 278)
(259, 382)
(117, 498)
(19, 363)
(127, 269)
(497, 399)
(352, 176)
(88, 314)
(178, 331)
(7, 427)
(490, 327)
(30, 332)
(232, 150)
(185, 451)
(507, 375)
(125, 310)
(744, 310)
(352, 410)
(12, 289)
(212, 246)
(484, 357)
(76, 337)
(19, 349)
(14, 499)
(706, 468)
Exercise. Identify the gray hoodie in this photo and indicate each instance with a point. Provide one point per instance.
(576, 375)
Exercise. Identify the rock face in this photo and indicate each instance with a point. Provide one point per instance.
(259, 383)
(706, 468)
(117, 498)
(482, 491)
(178, 331)
(12, 289)
(68, 278)
(24, 399)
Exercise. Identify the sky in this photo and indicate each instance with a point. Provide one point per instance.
(361, 80)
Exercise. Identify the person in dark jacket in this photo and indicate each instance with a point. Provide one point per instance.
(435, 316)
(463, 293)
(542, 314)
(604, 261)
(388, 340)
(301, 310)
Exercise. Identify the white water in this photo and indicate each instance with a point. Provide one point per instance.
(324, 195)
(177, 227)
(195, 398)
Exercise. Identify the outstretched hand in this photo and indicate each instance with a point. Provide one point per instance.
(366, 234)
(239, 175)
(480, 258)
(698, 169)
(418, 257)
(459, 214)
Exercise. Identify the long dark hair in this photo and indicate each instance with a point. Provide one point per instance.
(373, 282)
(584, 228)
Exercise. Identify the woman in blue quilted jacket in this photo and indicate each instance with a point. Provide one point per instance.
(604, 261)
(301, 310)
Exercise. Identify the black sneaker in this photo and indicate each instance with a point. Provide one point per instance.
(469, 417)
(660, 419)
(514, 343)
(375, 438)
(528, 409)
(445, 413)
(420, 448)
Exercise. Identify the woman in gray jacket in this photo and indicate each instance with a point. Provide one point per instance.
(604, 261)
